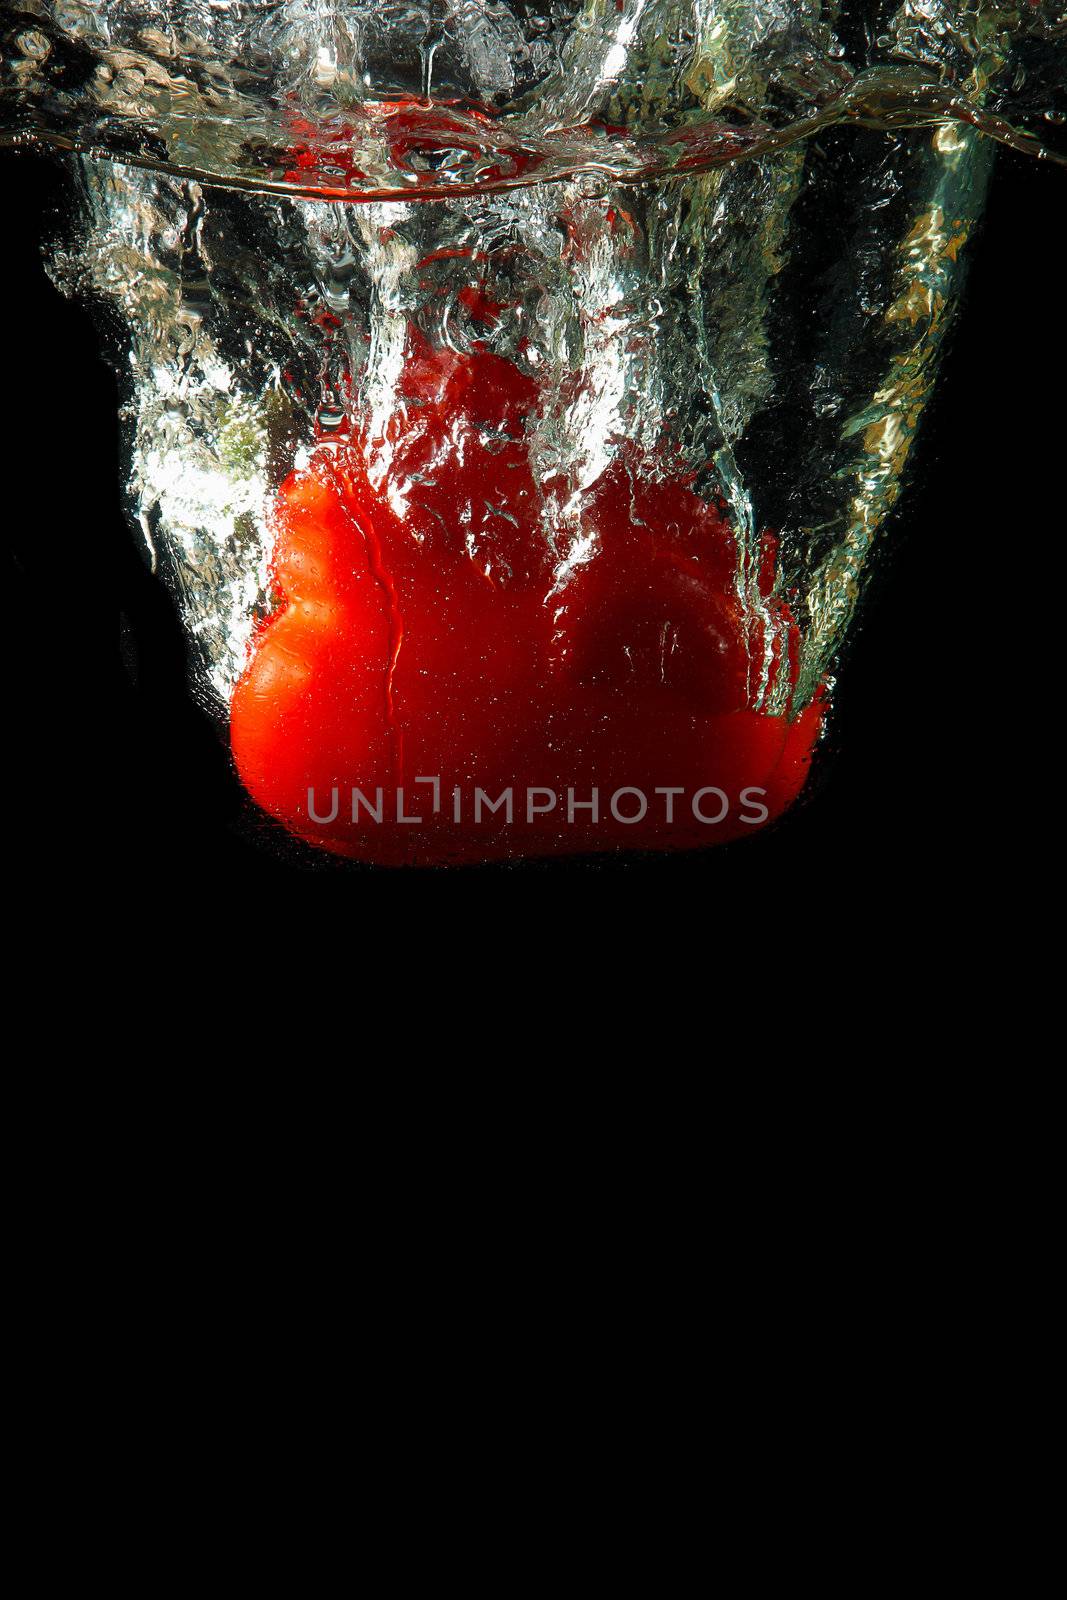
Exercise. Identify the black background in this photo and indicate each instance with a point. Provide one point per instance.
(933, 787)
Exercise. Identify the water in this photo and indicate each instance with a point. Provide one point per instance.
(716, 245)
(289, 96)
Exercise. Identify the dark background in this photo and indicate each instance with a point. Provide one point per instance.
(932, 788)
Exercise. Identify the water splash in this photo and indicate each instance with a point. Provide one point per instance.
(334, 99)
(739, 225)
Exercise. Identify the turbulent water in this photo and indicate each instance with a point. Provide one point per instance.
(510, 92)
(739, 225)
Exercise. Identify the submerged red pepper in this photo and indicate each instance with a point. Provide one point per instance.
(427, 631)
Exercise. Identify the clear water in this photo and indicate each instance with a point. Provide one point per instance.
(740, 227)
